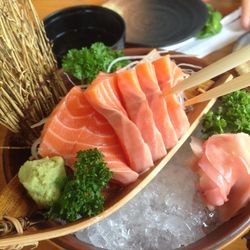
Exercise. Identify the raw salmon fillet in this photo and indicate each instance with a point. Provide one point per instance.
(73, 126)
(164, 73)
(104, 97)
(138, 109)
(223, 164)
(148, 82)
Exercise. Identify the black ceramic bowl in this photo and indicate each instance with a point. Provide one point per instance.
(80, 26)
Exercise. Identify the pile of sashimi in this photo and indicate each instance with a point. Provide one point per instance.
(119, 127)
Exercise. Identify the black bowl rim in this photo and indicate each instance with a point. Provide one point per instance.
(59, 12)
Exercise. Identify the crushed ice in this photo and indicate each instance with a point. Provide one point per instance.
(167, 214)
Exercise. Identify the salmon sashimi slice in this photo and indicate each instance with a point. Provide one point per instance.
(73, 126)
(104, 97)
(164, 74)
(177, 115)
(224, 170)
(148, 82)
(139, 111)
(163, 71)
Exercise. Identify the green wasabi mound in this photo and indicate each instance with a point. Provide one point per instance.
(43, 179)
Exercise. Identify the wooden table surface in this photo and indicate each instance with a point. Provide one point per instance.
(45, 7)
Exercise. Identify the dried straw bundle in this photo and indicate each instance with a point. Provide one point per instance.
(30, 85)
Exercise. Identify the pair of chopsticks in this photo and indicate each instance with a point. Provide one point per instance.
(215, 69)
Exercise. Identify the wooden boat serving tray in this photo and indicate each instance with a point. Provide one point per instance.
(12, 159)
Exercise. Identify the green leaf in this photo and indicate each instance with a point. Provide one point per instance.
(213, 25)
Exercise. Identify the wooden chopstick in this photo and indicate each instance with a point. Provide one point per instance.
(217, 68)
(237, 83)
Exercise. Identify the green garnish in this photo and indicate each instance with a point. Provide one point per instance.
(82, 194)
(213, 25)
(85, 64)
(232, 116)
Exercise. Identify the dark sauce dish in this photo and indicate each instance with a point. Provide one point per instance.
(80, 26)
(160, 23)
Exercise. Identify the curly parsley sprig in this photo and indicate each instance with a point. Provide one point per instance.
(82, 194)
(232, 116)
(86, 63)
